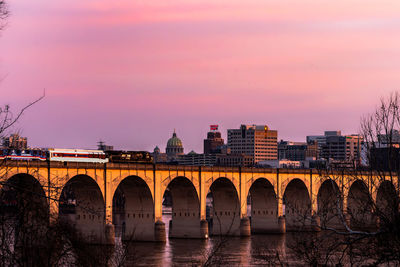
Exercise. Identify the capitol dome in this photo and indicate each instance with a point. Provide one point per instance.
(174, 141)
(174, 146)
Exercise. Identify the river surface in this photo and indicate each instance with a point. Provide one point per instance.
(257, 250)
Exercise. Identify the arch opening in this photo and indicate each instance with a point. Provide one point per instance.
(330, 205)
(297, 206)
(387, 202)
(181, 209)
(82, 207)
(225, 212)
(359, 207)
(133, 210)
(24, 210)
(263, 207)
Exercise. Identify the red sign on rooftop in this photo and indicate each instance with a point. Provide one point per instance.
(214, 127)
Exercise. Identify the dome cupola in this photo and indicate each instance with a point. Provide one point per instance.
(174, 146)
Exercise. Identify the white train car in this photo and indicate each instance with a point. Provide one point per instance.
(77, 155)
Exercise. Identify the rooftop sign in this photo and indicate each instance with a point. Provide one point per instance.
(214, 127)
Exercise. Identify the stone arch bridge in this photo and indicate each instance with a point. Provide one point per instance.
(96, 198)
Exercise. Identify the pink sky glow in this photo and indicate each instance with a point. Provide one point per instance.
(129, 72)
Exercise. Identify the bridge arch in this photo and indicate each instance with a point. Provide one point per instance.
(133, 209)
(387, 203)
(359, 206)
(264, 206)
(82, 206)
(330, 204)
(297, 206)
(225, 207)
(185, 212)
(24, 207)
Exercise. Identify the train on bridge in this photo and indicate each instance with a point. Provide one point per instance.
(76, 155)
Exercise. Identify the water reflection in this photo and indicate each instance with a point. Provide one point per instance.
(234, 251)
(147, 254)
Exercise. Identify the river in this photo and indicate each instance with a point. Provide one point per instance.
(257, 250)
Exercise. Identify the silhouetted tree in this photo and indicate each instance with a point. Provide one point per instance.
(368, 231)
(4, 13)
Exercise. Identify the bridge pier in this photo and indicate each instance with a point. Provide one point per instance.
(245, 229)
(281, 225)
(315, 223)
(109, 234)
(159, 232)
(204, 229)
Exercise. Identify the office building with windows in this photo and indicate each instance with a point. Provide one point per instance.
(256, 141)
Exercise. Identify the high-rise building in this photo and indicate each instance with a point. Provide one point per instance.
(297, 151)
(257, 141)
(354, 146)
(333, 145)
(214, 141)
(292, 150)
(321, 139)
(312, 150)
(15, 141)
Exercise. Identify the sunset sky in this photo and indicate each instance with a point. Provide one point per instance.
(129, 72)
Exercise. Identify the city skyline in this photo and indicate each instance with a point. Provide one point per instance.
(129, 73)
(214, 128)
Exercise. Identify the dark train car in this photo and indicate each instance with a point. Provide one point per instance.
(23, 154)
(129, 156)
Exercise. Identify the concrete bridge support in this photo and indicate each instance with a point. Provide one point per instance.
(281, 225)
(204, 233)
(245, 228)
(159, 231)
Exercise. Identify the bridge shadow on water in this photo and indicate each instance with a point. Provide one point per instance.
(235, 251)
